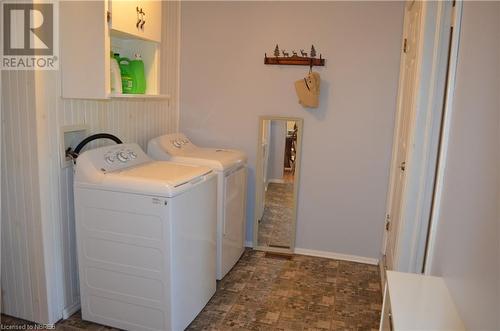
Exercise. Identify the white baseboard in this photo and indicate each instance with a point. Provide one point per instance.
(249, 244)
(336, 256)
(68, 311)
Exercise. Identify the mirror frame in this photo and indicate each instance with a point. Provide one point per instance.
(258, 177)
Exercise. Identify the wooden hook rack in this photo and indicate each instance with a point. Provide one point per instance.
(295, 60)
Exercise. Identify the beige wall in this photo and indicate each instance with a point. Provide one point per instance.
(347, 141)
(467, 243)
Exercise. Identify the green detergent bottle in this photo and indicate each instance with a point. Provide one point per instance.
(138, 76)
(127, 77)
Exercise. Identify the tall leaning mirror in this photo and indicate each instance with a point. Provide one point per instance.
(276, 187)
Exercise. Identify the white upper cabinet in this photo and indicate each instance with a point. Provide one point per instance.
(92, 30)
(137, 18)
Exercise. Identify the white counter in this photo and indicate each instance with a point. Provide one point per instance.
(417, 302)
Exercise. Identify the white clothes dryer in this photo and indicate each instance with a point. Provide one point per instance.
(231, 169)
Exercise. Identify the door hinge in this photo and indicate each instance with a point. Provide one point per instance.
(453, 14)
(387, 222)
(405, 45)
(402, 166)
(108, 16)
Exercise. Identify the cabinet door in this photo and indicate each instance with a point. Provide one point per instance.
(85, 48)
(152, 27)
(126, 17)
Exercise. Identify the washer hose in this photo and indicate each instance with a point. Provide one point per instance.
(74, 153)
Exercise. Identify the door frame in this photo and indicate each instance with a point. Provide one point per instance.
(445, 137)
(425, 136)
(258, 177)
(395, 166)
(1, 172)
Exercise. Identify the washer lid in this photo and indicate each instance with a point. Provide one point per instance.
(161, 178)
(167, 173)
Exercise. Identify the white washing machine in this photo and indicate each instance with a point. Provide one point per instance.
(230, 167)
(146, 238)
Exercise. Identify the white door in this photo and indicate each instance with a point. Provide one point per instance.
(406, 105)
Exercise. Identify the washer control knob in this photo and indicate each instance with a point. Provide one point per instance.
(132, 155)
(109, 159)
(122, 157)
(177, 143)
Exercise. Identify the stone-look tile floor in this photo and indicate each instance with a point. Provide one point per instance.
(303, 293)
(269, 293)
(275, 227)
(74, 323)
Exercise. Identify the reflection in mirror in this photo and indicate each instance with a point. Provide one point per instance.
(276, 191)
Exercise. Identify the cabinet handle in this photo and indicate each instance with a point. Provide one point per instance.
(143, 20)
(140, 17)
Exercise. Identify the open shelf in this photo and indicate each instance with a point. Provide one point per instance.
(149, 52)
(140, 96)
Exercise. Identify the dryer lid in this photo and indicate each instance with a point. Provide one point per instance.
(177, 147)
(218, 159)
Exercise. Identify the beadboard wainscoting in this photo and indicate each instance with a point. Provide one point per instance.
(22, 270)
(39, 272)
